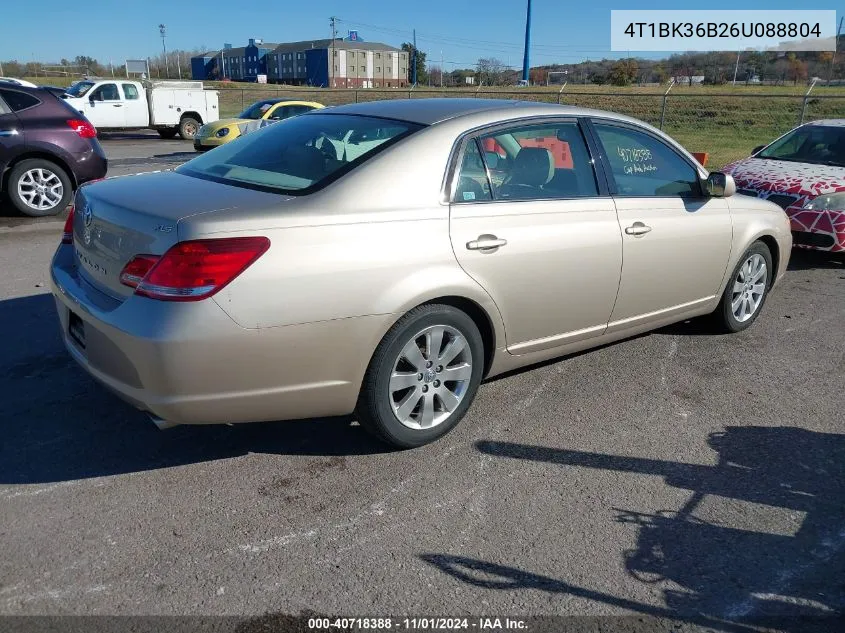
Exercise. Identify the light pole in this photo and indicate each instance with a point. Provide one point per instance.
(525, 61)
(162, 29)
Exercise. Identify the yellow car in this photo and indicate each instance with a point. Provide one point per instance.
(225, 130)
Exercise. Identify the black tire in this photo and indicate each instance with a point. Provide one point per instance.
(169, 132)
(21, 169)
(723, 316)
(374, 410)
(188, 128)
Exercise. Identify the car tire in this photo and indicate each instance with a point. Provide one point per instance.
(40, 173)
(428, 408)
(746, 290)
(188, 128)
(169, 132)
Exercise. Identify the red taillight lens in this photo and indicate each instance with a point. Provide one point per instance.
(83, 128)
(67, 234)
(135, 271)
(190, 271)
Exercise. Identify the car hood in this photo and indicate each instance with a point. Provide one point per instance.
(800, 181)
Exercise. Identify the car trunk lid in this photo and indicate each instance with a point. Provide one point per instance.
(117, 219)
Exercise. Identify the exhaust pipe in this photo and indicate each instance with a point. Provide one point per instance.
(162, 424)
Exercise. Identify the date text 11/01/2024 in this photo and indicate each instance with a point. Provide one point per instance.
(722, 29)
(418, 624)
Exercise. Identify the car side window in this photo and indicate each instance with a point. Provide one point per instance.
(280, 113)
(131, 91)
(4, 109)
(106, 92)
(642, 165)
(473, 185)
(540, 162)
(18, 101)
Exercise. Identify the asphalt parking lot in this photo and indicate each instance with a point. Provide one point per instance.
(680, 475)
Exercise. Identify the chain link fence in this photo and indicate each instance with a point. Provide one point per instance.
(724, 126)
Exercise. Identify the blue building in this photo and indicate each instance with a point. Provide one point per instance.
(349, 62)
(238, 64)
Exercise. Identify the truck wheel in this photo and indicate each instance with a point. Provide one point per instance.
(38, 187)
(169, 132)
(188, 128)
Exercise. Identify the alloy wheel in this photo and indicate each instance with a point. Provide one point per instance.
(749, 288)
(40, 189)
(430, 377)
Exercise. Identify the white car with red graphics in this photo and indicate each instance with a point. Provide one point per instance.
(804, 173)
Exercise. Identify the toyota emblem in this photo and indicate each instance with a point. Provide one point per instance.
(87, 216)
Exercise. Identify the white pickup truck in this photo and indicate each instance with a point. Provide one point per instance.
(170, 107)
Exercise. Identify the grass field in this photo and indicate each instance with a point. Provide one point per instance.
(726, 122)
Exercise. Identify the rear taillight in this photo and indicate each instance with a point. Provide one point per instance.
(194, 270)
(135, 271)
(83, 128)
(67, 234)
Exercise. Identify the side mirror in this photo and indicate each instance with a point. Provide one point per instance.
(720, 185)
(757, 149)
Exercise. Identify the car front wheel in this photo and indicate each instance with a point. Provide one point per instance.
(747, 289)
(423, 376)
(38, 187)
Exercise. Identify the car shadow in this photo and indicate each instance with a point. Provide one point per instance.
(58, 424)
(805, 259)
(709, 570)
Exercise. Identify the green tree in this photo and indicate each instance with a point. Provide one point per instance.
(422, 75)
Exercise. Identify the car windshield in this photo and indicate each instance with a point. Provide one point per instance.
(299, 155)
(79, 88)
(818, 144)
(257, 110)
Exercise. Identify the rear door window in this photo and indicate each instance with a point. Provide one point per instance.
(18, 101)
(130, 91)
(539, 162)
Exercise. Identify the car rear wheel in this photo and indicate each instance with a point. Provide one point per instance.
(169, 132)
(38, 187)
(188, 128)
(423, 376)
(747, 290)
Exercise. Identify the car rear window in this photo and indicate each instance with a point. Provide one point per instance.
(18, 101)
(299, 155)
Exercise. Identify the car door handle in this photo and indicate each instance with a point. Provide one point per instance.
(637, 228)
(117, 105)
(486, 243)
(9, 132)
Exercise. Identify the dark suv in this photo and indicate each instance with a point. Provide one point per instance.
(47, 149)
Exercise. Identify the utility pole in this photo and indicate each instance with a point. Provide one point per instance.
(178, 65)
(736, 68)
(525, 60)
(835, 49)
(332, 81)
(414, 61)
(442, 68)
(162, 30)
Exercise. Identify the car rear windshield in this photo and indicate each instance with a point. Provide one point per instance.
(817, 144)
(299, 155)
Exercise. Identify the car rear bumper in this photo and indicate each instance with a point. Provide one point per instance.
(190, 363)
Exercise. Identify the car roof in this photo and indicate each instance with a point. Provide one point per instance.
(431, 111)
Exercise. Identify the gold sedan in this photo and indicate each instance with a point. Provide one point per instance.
(383, 258)
(226, 130)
